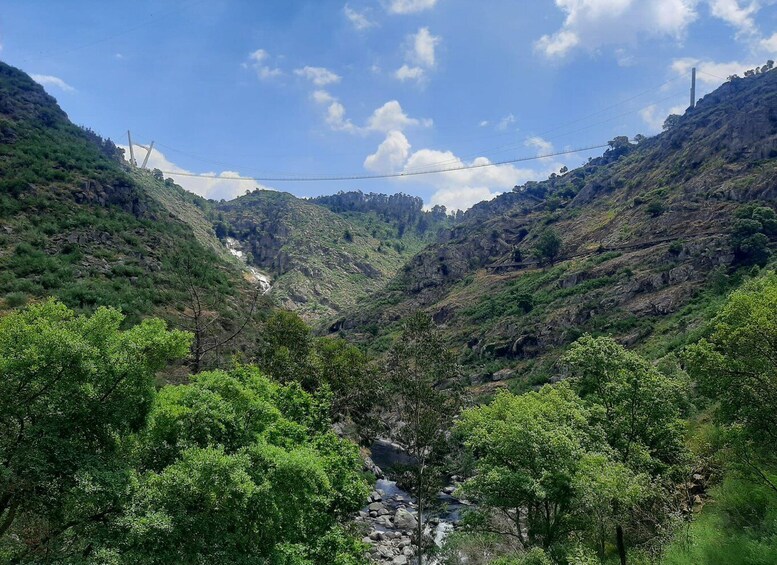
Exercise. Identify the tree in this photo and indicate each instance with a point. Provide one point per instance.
(285, 349)
(544, 469)
(235, 465)
(737, 367)
(73, 390)
(753, 229)
(548, 246)
(639, 408)
(203, 315)
(671, 122)
(422, 379)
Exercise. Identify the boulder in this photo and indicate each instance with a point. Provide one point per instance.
(404, 520)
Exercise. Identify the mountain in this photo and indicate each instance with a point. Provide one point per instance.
(326, 253)
(78, 224)
(651, 235)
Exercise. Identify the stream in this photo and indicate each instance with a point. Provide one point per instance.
(393, 510)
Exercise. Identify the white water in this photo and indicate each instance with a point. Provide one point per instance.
(261, 279)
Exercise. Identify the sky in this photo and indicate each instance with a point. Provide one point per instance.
(327, 88)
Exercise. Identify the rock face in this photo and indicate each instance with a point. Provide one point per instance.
(644, 229)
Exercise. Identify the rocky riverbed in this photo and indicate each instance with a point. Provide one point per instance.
(390, 519)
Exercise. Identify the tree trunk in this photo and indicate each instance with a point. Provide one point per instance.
(420, 527)
(621, 544)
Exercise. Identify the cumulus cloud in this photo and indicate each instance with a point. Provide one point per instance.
(424, 44)
(454, 189)
(359, 20)
(420, 55)
(769, 44)
(390, 156)
(214, 185)
(259, 61)
(460, 189)
(319, 76)
(591, 24)
(408, 6)
(49, 80)
(391, 117)
(406, 72)
(387, 118)
(738, 16)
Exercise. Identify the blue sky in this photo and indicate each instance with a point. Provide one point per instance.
(325, 87)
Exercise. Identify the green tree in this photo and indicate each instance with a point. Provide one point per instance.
(737, 366)
(424, 395)
(753, 228)
(544, 469)
(72, 391)
(548, 246)
(638, 409)
(285, 349)
(236, 468)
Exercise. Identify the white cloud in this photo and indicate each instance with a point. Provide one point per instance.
(654, 117)
(710, 73)
(359, 20)
(769, 44)
(335, 118)
(423, 47)
(388, 118)
(409, 6)
(454, 189)
(508, 120)
(322, 97)
(214, 185)
(591, 24)
(543, 146)
(319, 76)
(390, 155)
(259, 61)
(740, 17)
(406, 72)
(484, 123)
(49, 80)
(391, 116)
(420, 55)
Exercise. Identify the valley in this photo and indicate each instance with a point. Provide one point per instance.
(578, 370)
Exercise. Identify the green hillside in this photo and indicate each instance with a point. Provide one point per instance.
(77, 224)
(323, 260)
(652, 235)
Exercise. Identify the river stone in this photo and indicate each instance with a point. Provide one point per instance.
(376, 506)
(400, 560)
(404, 520)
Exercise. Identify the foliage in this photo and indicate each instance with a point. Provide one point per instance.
(548, 246)
(640, 404)
(98, 467)
(290, 353)
(753, 229)
(73, 389)
(737, 366)
(423, 390)
(241, 469)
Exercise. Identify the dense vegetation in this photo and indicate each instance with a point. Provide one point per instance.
(631, 305)
(99, 467)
